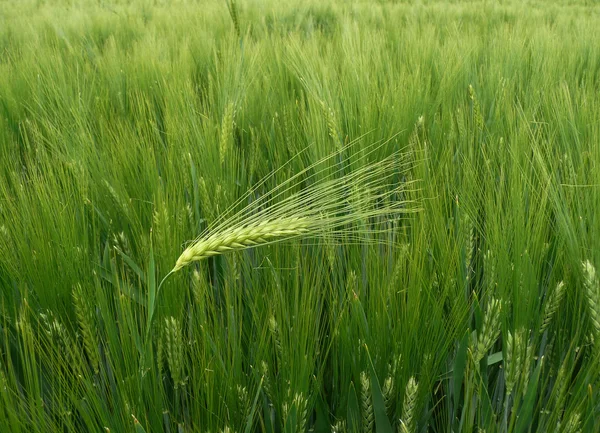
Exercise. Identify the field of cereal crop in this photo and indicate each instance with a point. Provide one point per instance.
(299, 216)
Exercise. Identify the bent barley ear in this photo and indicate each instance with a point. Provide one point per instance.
(330, 206)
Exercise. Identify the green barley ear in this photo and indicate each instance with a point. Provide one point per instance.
(368, 417)
(467, 237)
(489, 331)
(275, 333)
(351, 283)
(388, 393)
(477, 115)
(559, 392)
(331, 125)
(226, 139)
(400, 265)
(84, 311)
(515, 344)
(573, 424)
(55, 331)
(592, 295)
(264, 367)
(527, 366)
(407, 421)
(292, 209)
(301, 406)
(552, 304)
(244, 403)
(207, 204)
(490, 269)
(174, 350)
(339, 427)
(233, 13)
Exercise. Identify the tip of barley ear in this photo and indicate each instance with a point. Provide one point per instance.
(183, 260)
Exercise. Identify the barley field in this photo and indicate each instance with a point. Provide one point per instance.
(299, 216)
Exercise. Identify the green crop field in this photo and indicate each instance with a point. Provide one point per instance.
(299, 216)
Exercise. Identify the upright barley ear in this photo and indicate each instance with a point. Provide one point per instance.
(331, 124)
(276, 335)
(552, 304)
(267, 386)
(226, 139)
(467, 237)
(388, 393)
(55, 331)
(339, 427)
(244, 403)
(573, 424)
(85, 319)
(527, 366)
(368, 417)
(477, 115)
(489, 331)
(235, 19)
(300, 404)
(559, 393)
(407, 421)
(208, 205)
(515, 345)
(174, 350)
(592, 294)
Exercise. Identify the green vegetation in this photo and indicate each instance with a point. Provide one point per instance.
(464, 298)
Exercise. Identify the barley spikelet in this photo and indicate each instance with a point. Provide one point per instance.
(592, 294)
(85, 319)
(527, 366)
(388, 393)
(174, 350)
(275, 333)
(490, 269)
(266, 381)
(199, 287)
(477, 116)
(468, 240)
(339, 427)
(226, 139)
(407, 421)
(489, 331)
(368, 417)
(573, 424)
(331, 125)
(244, 403)
(207, 203)
(301, 405)
(515, 344)
(55, 331)
(287, 131)
(460, 124)
(552, 304)
(559, 393)
(233, 12)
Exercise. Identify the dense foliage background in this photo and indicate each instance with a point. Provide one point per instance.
(126, 128)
